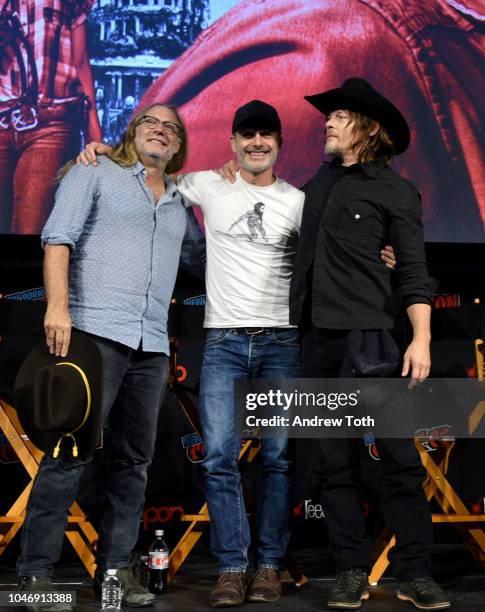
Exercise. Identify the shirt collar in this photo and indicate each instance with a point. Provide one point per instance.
(138, 167)
(371, 169)
(171, 187)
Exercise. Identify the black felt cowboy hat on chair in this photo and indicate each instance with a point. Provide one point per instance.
(58, 399)
(358, 95)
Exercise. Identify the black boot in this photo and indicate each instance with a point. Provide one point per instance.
(42, 584)
(134, 595)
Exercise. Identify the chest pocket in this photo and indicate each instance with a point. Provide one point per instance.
(356, 222)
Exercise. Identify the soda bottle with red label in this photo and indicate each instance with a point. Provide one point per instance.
(158, 564)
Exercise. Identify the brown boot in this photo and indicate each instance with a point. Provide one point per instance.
(230, 590)
(265, 586)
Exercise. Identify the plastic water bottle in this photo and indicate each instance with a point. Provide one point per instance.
(111, 591)
(158, 554)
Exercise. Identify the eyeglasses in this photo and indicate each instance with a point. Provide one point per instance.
(172, 128)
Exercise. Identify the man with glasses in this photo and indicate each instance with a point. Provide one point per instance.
(112, 247)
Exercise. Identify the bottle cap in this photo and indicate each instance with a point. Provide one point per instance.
(111, 572)
(159, 532)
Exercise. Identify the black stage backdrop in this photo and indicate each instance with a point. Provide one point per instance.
(175, 479)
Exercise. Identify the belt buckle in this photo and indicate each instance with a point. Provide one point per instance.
(24, 118)
(259, 330)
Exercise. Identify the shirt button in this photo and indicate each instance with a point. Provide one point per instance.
(357, 216)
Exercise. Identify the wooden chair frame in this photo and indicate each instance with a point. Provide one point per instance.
(80, 532)
(437, 487)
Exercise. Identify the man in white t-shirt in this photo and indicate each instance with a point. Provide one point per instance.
(251, 230)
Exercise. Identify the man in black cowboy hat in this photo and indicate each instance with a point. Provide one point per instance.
(353, 206)
(112, 248)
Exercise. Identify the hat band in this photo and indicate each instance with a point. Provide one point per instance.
(69, 434)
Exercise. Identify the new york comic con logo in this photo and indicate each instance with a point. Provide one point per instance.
(28, 295)
(159, 515)
(196, 300)
(429, 437)
(194, 447)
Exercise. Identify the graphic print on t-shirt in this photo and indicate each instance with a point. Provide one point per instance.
(253, 220)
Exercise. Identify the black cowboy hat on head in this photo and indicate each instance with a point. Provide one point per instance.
(358, 95)
(58, 399)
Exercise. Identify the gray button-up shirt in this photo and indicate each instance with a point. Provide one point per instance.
(125, 251)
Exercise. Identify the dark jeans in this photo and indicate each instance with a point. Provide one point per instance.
(404, 504)
(228, 356)
(133, 386)
(29, 162)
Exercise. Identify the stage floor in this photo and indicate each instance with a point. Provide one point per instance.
(463, 581)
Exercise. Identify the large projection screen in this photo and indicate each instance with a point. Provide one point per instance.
(210, 56)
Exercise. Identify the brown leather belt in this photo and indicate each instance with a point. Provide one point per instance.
(27, 117)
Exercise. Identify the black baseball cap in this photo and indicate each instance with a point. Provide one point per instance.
(256, 114)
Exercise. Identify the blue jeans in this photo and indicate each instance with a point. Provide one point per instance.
(133, 386)
(228, 355)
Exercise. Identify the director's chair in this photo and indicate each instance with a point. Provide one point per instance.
(26, 318)
(79, 531)
(437, 487)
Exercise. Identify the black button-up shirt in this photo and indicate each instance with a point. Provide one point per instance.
(350, 213)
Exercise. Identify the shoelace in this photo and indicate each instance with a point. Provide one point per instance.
(425, 586)
(265, 573)
(229, 577)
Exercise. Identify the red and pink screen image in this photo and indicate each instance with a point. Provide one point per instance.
(426, 57)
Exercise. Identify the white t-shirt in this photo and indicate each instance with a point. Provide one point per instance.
(251, 235)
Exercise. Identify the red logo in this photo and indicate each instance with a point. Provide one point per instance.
(181, 372)
(447, 300)
(195, 452)
(478, 507)
(373, 452)
(161, 514)
(298, 510)
(429, 436)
